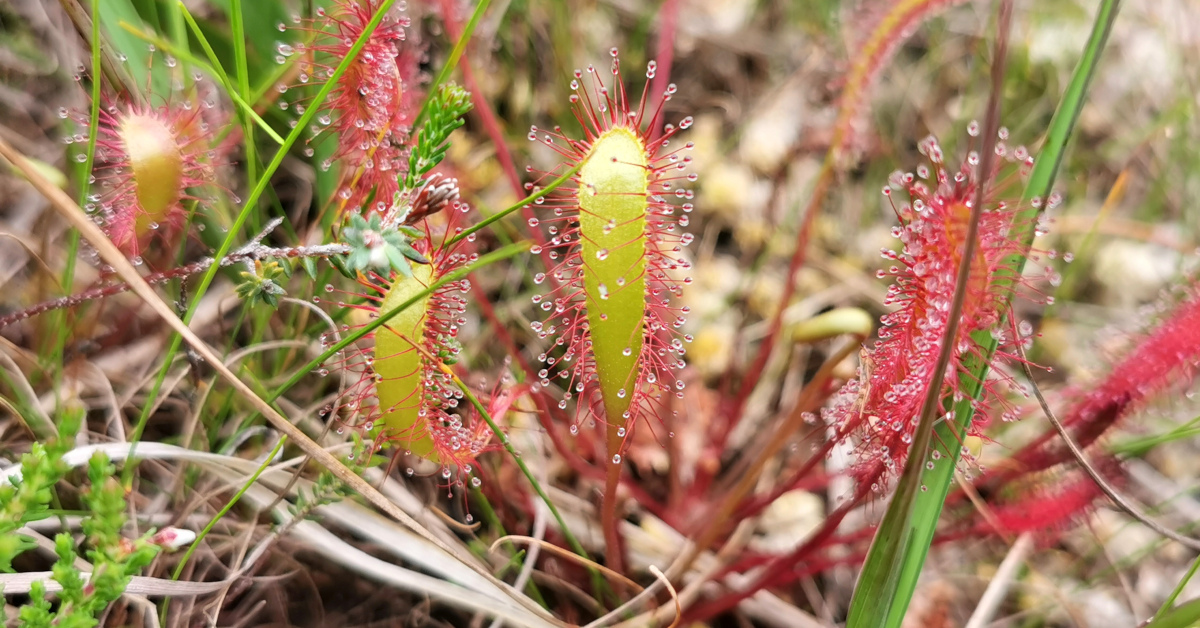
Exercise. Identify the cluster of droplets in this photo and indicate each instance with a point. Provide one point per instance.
(567, 330)
(882, 407)
(372, 104)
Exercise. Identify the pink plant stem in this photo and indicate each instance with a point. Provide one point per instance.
(781, 567)
(549, 419)
(718, 521)
(675, 493)
(801, 478)
(615, 547)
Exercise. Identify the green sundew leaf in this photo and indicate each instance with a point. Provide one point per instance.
(902, 540)
(400, 385)
(384, 318)
(613, 198)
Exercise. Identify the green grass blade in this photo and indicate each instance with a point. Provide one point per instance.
(516, 456)
(1165, 610)
(1185, 616)
(902, 541)
(85, 182)
(257, 21)
(237, 25)
(112, 13)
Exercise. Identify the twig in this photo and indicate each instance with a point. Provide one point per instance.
(250, 253)
(562, 553)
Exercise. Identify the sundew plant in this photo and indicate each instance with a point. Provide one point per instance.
(359, 312)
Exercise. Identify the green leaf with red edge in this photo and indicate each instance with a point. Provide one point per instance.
(897, 554)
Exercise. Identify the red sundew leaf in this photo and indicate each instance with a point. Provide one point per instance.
(374, 101)
(148, 161)
(900, 558)
(882, 407)
(1165, 358)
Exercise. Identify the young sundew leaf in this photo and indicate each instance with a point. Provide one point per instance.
(612, 224)
(614, 241)
(399, 366)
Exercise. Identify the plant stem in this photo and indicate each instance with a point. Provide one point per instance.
(615, 551)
